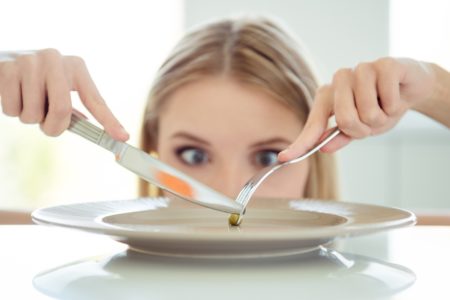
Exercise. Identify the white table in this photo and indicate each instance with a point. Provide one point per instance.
(40, 262)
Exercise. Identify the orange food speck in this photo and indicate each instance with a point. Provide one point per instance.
(176, 184)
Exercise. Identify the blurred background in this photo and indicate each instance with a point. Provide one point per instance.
(124, 42)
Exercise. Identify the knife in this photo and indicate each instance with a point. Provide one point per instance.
(154, 170)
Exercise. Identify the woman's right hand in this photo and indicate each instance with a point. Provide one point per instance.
(371, 98)
(36, 86)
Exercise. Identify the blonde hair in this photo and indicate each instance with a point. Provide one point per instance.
(253, 50)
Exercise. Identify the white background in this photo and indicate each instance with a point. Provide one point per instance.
(123, 43)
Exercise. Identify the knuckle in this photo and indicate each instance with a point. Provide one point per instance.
(10, 111)
(390, 107)
(54, 132)
(352, 127)
(323, 90)
(49, 58)
(342, 74)
(385, 63)
(51, 131)
(28, 118)
(50, 53)
(393, 110)
(363, 70)
(345, 122)
(362, 67)
(8, 70)
(323, 94)
(27, 61)
(9, 77)
(371, 118)
(76, 61)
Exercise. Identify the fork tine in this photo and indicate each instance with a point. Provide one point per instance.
(250, 187)
(246, 193)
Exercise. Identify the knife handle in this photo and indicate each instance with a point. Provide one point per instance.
(89, 131)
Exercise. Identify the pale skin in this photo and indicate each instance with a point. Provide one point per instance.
(221, 132)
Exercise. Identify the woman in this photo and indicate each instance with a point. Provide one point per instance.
(368, 99)
(228, 99)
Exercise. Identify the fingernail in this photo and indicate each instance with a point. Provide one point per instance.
(123, 132)
(284, 153)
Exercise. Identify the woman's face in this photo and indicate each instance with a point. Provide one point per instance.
(222, 132)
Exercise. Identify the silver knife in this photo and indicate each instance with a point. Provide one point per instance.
(154, 170)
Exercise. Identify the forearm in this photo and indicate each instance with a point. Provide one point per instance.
(438, 105)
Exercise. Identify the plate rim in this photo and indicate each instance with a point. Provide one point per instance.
(349, 228)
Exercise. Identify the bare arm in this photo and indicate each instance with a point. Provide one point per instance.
(438, 105)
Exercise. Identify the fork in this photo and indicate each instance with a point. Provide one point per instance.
(250, 187)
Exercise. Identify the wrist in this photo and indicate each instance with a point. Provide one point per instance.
(439, 88)
(437, 105)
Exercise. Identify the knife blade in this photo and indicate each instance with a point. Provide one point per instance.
(155, 171)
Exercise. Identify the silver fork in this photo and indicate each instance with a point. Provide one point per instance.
(250, 187)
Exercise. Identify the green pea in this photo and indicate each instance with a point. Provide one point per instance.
(235, 219)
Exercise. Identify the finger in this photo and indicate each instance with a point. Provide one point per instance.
(59, 103)
(315, 125)
(32, 91)
(335, 144)
(366, 96)
(94, 102)
(10, 91)
(388, 86)
(347, 117)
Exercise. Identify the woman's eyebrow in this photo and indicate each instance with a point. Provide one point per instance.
(189, 136)
(275, 140)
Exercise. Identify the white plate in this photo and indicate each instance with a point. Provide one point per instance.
(271, 227)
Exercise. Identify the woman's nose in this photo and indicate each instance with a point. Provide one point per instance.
(230, 179)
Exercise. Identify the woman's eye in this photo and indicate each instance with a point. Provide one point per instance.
(266, 158)
(192, 156)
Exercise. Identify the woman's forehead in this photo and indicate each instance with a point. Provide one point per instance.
(220, 104)
(226, 95)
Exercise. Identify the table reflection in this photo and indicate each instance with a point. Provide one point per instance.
(320, 274)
